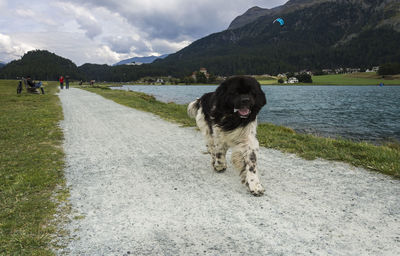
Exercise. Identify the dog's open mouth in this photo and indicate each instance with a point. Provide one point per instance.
(243, 112)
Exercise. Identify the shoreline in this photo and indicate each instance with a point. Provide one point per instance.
(302, 126)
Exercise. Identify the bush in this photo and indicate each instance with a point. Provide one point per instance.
(304, 78)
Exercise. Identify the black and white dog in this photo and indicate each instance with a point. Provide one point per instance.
(228, 119)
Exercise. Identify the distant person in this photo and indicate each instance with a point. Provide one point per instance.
(66, 82)
(61, 82)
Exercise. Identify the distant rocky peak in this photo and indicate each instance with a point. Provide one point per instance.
(256, 12)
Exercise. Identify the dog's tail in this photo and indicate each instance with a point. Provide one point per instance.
(193, 108)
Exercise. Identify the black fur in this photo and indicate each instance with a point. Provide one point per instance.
(218, 107)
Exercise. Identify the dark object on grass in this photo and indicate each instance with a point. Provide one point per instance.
(30, 86)
(19, 87)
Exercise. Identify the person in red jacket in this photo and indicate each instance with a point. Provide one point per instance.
(61, 82)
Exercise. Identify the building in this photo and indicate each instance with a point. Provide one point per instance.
(202, 70)
(353, 70)
(292, 80)
(328, 71)
(160, 81)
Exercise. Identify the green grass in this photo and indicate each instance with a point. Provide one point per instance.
(168, 111)
(354, 79)
(31, 169)
(385, 159)
(268, 82)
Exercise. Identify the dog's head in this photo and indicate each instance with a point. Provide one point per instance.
(241, 96)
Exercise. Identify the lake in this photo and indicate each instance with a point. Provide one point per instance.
(360, 113)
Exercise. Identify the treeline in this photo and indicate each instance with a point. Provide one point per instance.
(44, 65)
(389, 69)
(40, 65)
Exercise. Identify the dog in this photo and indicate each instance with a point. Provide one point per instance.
(227, 118)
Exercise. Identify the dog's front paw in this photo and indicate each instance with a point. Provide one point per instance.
(256, 189)
(219, 167)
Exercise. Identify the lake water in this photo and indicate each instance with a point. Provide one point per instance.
(369, 113)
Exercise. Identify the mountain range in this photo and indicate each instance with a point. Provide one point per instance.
(317, 34)
(145, 60)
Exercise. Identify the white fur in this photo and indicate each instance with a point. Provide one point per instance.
(243, 143)
(192, 109)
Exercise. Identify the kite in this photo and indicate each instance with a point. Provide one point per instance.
(280, 20)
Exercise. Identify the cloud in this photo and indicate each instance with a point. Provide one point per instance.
(165, 46)
(34, 16)
(106, 31)
(90, 26)
(175, 19)
(126, 44)
(85, 19)
(12, 49)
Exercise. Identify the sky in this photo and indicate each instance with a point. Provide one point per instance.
(107, 31)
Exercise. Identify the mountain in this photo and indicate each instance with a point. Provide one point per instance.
(44, 65)
(317, 34)
(146, 60)
(256, 12)
(2, 64)
(40, 65)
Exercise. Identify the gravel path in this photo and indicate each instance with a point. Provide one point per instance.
(144, 188)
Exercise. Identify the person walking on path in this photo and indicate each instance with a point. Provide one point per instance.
(61, 82)
(66, 82)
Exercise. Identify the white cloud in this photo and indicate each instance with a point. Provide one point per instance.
(165, 46)
(12, 49)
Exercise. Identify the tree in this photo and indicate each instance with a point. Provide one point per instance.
(304, 78)
(201, 78)
(212, 78)
(188, 80)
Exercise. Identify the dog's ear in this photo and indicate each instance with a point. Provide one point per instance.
(221, 90)
(222, 98)
(261, 100)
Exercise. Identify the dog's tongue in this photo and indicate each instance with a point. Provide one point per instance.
(244, 111)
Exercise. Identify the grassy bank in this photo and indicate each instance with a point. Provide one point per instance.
(385, 159)
(355, 79)
(31, 163)
(341, 79)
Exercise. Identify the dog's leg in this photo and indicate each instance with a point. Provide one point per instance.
(244, 158)
(205, 131)
(219, 162)
(220, 148)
